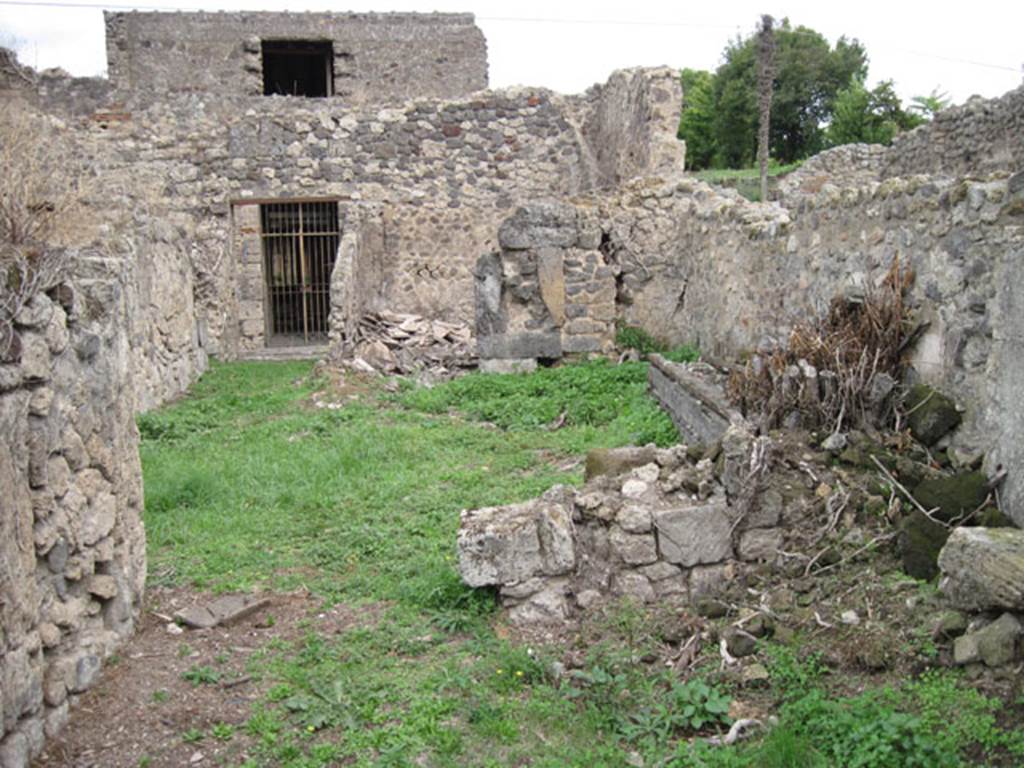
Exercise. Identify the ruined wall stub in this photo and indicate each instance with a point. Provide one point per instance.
(377, 57)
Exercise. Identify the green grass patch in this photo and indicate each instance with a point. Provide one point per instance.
(249, 485)
(716, 175)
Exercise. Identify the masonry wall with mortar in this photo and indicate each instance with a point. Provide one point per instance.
(72, 549)
(377, 58)
(698, 265)
(434, 177)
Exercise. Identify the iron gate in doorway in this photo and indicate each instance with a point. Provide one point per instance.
(300, 241)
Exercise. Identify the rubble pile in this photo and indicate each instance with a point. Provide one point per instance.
(393, 343)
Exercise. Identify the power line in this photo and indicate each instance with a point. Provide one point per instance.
(521, 20)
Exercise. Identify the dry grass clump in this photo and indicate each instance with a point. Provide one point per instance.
(839, 371)
(40, 190)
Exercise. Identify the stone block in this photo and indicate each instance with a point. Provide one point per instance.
(14, 751)
(694, 535)
(541, 344)
(550, 605)
(543, 223)
(983, 569)
(581, 344)
(761, 544)
(697, 406)
(634, 585)
(995, 644)
(707, 580)
(617, 461)
(551, 282)
(510, 544)
(633, 548)
(932, 414)
(635, 518)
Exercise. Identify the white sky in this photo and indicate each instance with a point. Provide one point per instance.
(960, 48)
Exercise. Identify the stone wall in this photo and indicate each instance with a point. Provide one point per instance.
(697, 265)
(847, 165)
(977, 138)
(378, 58)
(52, 90)
(433, 179)
(72, 550)
(629, 125)
(654, 525)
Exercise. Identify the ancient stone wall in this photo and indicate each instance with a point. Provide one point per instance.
(702, 266)
(848, 165)
(977, 138)
(435, 179)
(72, 550)
(629, 125)
(52, 90)
(654, 525)
(377, 58)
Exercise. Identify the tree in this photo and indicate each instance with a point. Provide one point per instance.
(809, 73)
(696, 124)
(871, 117)
(930, 105)
(765, 75)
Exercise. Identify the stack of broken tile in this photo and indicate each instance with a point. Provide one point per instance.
(392, 343)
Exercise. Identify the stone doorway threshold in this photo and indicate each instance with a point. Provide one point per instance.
(304, 352)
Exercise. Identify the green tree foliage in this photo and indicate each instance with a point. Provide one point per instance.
(696, 124)
(930, 105)
(809, 73)
(871, 116)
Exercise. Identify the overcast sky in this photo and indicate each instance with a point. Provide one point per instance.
(960, 48)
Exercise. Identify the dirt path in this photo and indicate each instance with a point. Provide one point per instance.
(183, 699)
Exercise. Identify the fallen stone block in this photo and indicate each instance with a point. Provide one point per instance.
(931, 414)
(616, 461)
(694, 397)
(223, 610)
(983, 569)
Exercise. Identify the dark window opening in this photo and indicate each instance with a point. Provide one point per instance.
(298, 67)
(300, 241)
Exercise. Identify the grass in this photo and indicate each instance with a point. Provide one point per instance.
(715, 175)
(249, 486)
(746, 181)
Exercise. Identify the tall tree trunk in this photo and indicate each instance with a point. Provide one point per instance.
(765, 75)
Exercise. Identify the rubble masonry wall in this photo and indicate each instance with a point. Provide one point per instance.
(378, 57)
(72, 548)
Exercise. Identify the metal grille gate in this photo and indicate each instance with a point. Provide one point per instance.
(300, 241)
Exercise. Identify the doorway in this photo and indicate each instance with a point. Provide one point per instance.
(300, 241)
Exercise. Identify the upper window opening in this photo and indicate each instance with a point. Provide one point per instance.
(298, 67)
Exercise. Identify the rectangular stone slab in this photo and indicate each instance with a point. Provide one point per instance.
(694, 535)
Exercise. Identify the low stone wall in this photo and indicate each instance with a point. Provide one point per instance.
(848, 165)
(72, 549)
(655, 525)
